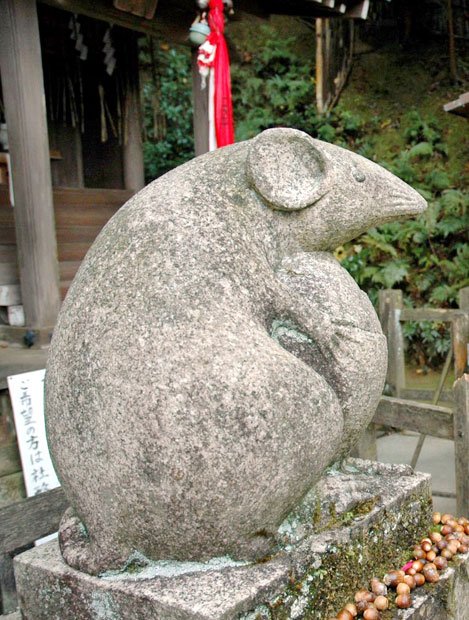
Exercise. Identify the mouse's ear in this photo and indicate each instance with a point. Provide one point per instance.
(286, 169)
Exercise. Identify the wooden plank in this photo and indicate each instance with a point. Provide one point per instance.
(82, 234)
(10, 294)
(90, 197)
(69, 215)
(426, 419)
(72, 251)
(9, 273)
(413, 394)
(15, 335)
(390, 309)
(8, 596)
(461, 443)
(64, 286)
(463, 298)
(7, 253)
(142, 8)
(460, 335)
(24, 100)
(7, 236)
(9, 459)
(68, 270)
(32, 518)
(430, 314)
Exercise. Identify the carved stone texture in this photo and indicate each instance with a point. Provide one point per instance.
(211, 357)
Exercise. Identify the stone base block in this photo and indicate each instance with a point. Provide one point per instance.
(359, 521)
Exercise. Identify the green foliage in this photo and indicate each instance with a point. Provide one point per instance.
(427, 257)
(166, 95)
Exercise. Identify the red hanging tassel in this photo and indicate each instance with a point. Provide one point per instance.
(213, 54)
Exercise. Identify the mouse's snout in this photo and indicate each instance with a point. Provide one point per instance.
(405, 201)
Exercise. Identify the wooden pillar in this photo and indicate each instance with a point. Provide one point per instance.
(461, 443)
(390, 306)
(134, 171)
(200, 103)
(23, 93)
(460, 335)
(320, 65)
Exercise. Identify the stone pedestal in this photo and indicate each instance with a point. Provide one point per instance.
(359, 522)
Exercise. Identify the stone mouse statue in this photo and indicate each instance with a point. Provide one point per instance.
(212, 358)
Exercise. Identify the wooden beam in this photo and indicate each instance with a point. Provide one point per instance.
(134, 172)
(459, 106)
(172, 22)
(200, 105)
(422, 418)
(23, 522)
(430, 314)
(390, 309)
(460, 336)
(461, 443)
(142, 8)
(359, 11)
(321, 104)
(24, 99)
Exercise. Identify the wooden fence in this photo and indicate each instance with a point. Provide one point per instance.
(402, 411)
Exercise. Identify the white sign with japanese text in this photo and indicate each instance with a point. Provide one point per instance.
(27, 398)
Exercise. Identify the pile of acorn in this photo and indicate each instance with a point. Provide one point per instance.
(447, 537)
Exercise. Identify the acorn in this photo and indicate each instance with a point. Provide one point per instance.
(435, 537)
(426, 544)
(378, 587)
(419, 553)
(403, 588)
(371, 614)
(436, 518)
(453, 546)
(410, 581)
(403, 601)
(430, 573)
(431, 555)
(393, 578)
(381, 603)
(364, 595)
(344, 615)
(419, 579)
(418, 566)
(362, 605)
(440, 562)
(352, 609)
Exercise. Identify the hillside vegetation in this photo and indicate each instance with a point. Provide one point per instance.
(391, 112)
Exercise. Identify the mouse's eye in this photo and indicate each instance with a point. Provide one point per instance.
(358, 175)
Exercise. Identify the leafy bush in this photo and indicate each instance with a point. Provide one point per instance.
(166, 97)
(428, 257)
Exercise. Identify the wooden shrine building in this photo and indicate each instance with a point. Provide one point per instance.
(71, 133)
